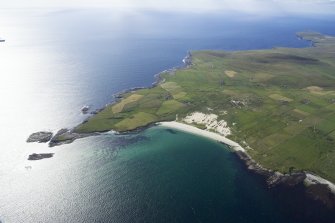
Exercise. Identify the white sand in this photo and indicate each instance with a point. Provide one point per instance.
(191, 129)
(210, 121)
(313, 179)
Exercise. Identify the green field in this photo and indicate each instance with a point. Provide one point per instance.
(287, 109)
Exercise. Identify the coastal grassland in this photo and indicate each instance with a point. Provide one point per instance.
(132, 122)
(278, 102)
(131, 99)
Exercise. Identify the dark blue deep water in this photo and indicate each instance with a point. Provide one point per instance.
(55, 61)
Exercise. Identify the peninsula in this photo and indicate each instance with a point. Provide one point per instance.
(278, 104)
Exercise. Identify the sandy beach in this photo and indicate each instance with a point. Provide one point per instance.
(191, 129)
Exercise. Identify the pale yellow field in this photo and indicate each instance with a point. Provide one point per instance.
(119, 106)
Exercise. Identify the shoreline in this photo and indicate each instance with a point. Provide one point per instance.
(69, 133)
(273, 178)
(315, 179)
(196, 131)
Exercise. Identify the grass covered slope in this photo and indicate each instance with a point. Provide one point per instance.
(278, 102)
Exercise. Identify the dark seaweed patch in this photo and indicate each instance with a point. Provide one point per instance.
(171, 131)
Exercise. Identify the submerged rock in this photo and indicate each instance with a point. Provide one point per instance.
(322, 193)
(41, 137)
(36, 156)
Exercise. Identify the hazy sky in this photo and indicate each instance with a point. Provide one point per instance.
(250, 6)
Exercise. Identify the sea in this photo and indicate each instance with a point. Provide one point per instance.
(55, 61)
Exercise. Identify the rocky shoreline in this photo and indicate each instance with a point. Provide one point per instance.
(273, 178)
(63, 136)
(318, 190)
(66, 136)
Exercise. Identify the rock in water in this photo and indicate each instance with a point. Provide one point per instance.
(40, 137)
(85, 109)
(40, 156)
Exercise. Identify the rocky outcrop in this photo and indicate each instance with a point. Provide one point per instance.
(63, 136)
(66, 136)
(40, 137)
(96, 111)
(36, 156)
(272, 178)
(253, 165)
(318, 190)
(188, 59)
(286, 179)
(85, 109)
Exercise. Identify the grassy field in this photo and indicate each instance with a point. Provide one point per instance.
(287, 109)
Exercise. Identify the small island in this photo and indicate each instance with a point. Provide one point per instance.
(40, 137)
(276, 105)
(39, 156)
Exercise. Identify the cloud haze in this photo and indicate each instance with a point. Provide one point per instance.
(248, 6)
